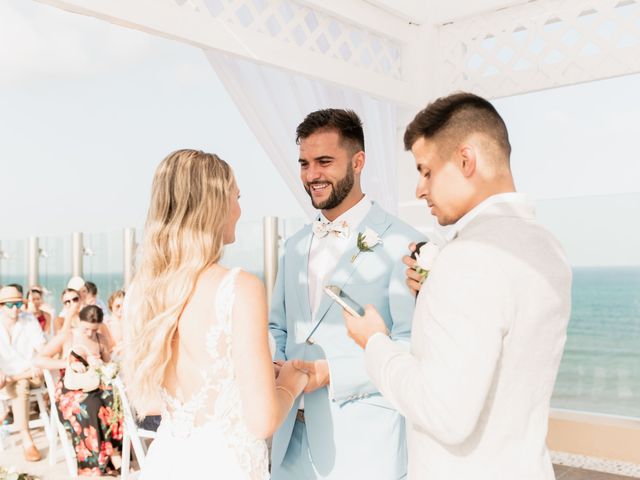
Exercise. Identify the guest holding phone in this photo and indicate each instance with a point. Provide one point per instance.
(69, 316)
(84, 403)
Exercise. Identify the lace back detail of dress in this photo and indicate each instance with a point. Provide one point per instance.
(219, 398)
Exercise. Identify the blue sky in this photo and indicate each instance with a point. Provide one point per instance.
(88, 109)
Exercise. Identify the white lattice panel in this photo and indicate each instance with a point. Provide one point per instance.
(538, 45)
(296, 24)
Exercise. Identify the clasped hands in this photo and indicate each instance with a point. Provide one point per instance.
(315, 374)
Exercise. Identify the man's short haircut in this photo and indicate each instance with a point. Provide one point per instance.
(91, 314)
(92, 289)
(17, 286)
(345, 122)
(456, 116)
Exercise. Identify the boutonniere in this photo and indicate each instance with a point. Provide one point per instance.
(366, 241)
(425, 258)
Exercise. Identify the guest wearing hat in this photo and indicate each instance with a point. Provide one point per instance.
(20, 339)
(79, 285)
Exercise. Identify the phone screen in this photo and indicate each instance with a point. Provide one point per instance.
(343, 299)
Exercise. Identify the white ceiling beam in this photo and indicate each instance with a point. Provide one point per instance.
(204, 31)
(366, 15)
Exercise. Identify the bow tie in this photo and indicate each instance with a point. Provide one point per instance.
(340, 230)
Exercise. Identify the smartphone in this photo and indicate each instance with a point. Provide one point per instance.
(417, 250)
(344, 300)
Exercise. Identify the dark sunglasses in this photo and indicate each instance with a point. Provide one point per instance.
(74, 300)
(13, 304)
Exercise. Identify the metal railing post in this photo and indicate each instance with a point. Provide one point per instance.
(129, 249)
(33, 262)
(77, 252)
(270, 245)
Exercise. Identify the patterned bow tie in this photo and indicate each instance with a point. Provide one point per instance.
(340, 230)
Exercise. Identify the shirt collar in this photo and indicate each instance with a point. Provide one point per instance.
(354, 216)
(509, 197)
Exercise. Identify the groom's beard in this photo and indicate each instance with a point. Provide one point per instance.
(339, 191)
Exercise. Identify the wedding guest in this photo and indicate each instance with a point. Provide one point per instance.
(20, 338)
(196, 332)
(341, 427)
(88, 411)
(78, 284)
(92, 298)
(491, 317)
(114, 323)
(35, 300)
(69, 316)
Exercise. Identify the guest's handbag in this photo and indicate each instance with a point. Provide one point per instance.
(87, 380)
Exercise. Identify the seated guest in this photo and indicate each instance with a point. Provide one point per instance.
(84, 403)
(91, 297)
(35, 308)
(69, 316)
(20, 339)
(114, 322)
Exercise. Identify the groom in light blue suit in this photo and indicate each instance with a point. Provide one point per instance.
(341, 428)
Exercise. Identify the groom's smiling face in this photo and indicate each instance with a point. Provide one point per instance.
(326, 169)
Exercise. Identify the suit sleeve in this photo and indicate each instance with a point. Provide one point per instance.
(277, 315)
(349, 377)
(463, 317)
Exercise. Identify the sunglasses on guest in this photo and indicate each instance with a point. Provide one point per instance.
(13, 304)
(69, 300)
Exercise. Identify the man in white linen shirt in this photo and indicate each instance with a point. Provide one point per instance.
(20, 338)
(490, 321)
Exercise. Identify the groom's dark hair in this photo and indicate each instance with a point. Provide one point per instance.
(345, 122)
(453, 118)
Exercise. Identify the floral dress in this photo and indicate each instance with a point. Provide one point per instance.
(95, 429)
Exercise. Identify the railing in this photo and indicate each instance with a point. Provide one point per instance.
(108, 258)
(600, 368)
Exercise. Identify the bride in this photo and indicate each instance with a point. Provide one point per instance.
(196, 339)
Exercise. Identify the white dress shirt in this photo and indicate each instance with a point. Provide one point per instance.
(18, 349)
(326, 251)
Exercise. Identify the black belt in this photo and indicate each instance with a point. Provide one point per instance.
(300, 416)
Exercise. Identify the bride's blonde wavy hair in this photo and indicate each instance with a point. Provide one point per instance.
(183, 236)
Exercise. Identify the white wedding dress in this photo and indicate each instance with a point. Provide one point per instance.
(206, 437)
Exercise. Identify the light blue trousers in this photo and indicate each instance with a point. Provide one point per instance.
(297, 464)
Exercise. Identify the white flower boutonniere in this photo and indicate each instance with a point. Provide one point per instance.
(425, 259)
(366, 241)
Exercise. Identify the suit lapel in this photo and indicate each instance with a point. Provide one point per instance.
(378, 221)
(303, 249)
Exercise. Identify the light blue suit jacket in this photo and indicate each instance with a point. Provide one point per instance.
(352, 431)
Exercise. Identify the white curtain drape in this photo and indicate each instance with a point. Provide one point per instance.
(273, 102)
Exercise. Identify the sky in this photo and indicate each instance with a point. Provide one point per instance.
(88, 110)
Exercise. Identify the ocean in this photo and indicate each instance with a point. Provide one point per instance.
(600, 369)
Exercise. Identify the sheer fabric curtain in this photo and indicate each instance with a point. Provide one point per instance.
(273, 103)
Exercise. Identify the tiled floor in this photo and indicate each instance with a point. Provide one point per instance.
(13, 457)
(569, 473)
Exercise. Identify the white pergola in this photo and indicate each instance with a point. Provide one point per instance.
(280, 59)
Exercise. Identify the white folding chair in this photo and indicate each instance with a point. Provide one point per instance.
(57, 431)
(35, 395)
(132, 434)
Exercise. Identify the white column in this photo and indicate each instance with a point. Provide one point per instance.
(33, 262)
(270, 245)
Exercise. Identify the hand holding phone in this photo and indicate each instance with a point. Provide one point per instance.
(344, 300)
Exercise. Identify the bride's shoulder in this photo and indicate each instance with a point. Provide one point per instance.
(248, 283)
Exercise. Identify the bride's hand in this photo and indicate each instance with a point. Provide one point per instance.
(292, 379)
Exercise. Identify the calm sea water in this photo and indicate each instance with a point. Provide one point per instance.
(600, 369)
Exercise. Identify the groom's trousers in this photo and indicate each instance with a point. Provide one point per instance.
(297, 463)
